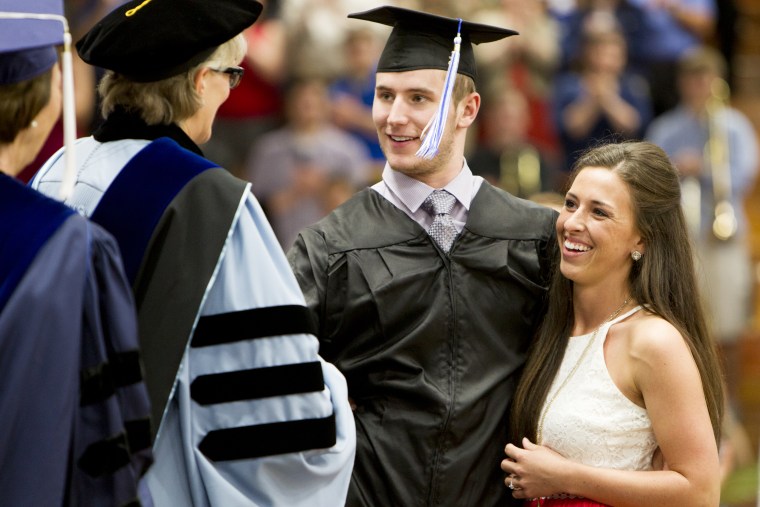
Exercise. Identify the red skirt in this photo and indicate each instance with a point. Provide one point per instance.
(563, 502)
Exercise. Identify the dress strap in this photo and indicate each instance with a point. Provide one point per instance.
(624, 316)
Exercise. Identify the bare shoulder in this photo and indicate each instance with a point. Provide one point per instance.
(652, 339)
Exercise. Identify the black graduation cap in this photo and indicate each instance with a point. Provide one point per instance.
(420, 40)
(150, 40)
(29, 33)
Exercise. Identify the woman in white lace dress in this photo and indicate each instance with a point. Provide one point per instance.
(621, 399)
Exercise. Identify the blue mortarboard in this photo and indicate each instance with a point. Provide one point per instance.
(29, 32)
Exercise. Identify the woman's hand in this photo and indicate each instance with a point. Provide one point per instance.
(534, 470)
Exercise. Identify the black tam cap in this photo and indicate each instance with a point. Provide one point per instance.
(424, 41)
(150, 40)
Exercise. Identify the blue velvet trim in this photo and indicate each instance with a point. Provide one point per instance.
(28, 220)
(133, 205)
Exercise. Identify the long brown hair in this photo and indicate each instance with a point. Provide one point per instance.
(664, 280)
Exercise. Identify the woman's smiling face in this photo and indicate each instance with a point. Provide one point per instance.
(596, 228)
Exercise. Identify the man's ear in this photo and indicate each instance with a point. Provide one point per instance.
(470, 106)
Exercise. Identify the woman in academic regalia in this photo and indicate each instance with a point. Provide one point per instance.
(75, 425)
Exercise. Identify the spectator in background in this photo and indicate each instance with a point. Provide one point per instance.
(726, 172)
(292, 167)
(602, 15)
(504, 156)
(527, 63)
(352, 92)
(673, 27)
(316, 31)
(254, 107)
(600, 100)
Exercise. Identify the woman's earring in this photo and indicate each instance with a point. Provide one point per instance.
(33, 124)
(636, 255)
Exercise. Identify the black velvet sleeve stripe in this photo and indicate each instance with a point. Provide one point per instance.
(261, 440)
(105, 456)
(109, 455)
(126, 368)
(258, 383)
(98, 383)
(138, 434)
(250, 324)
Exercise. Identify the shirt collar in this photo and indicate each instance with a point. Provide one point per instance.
(413, 192)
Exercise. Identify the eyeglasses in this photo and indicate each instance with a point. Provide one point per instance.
(235, 74)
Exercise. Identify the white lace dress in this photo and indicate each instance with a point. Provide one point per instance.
(590, 421)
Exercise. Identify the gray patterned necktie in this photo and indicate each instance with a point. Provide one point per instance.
(438, 204)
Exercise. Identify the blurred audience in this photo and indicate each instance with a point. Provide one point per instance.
(673, 27)
(528, 62)
(600, 100)
(302, 169)
(602, 15)
(316, 32)
(353, 92)
(714, 147)
(504, 156)
(255, 106)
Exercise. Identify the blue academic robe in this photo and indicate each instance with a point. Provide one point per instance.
(75, 424)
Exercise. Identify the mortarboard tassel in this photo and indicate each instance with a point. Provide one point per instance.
(433, 131)
(69, 118)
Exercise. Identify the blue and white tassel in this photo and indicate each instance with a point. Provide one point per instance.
(433, 131)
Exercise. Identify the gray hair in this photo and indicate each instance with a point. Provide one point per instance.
(170, 100)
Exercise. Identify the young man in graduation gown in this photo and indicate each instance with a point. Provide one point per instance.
(428, 317)
(249, 413)
(74, 425)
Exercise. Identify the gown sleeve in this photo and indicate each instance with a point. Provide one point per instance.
(112, 439)
(268, 420)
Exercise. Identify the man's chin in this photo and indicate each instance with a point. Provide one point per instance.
(409, 164)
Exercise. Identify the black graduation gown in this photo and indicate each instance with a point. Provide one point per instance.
(431, 344)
